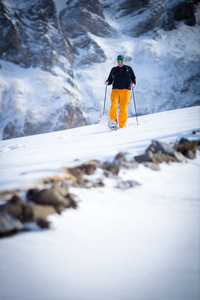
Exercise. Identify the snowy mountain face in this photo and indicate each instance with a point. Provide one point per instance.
(56, 55)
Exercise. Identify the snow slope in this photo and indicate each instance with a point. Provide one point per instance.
(142, 243)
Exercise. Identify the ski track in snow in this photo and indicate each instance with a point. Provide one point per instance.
(7, 149)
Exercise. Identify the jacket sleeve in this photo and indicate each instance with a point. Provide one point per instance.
(110, 77)
(132, 76)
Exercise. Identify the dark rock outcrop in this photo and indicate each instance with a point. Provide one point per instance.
(163, 14)
(182, 11)
(9, 225)
(185, 11)
(187, 148)
(55, 196)
(80, 19)
(159, 152)
(16, 213)
(30, 34)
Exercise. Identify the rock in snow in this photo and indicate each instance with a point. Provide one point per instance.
(9, 224)
(42, 202)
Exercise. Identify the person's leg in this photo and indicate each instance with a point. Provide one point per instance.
(114, 104)
(123, 110)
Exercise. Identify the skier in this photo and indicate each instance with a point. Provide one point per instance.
(122, 79)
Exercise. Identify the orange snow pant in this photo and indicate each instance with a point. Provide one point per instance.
(122, 97)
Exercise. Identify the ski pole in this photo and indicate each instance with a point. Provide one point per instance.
(104, 100)
(135, 107)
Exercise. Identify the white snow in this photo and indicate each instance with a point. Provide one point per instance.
(142, 243)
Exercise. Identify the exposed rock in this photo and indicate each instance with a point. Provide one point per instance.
(68, 116)
(180, 157)
(88, 168)
(14, 207)
(42, 223)
(196, 131)
(152, 148)
(164, 147)
(144, 24)
(121, 156)
(54, 196)
(35, 212)
(190, 154)
(182, 11)
(198, 145)
(22, 27)
(98, 183)
(158, 158)
(165, 152)
(81, 17)
(151, 165)
(78, 20)
(77, 174)
(8, 224)
(10, 130)
(121, 160)
(130, 164)
(15, 199)
(185, 11)
(147, 156)
(123, 185)
(33, 24)
(110, 169)
(13, 210)
(65, 178)
(10, 34)
(73, 200)
(6, 194)
(26, 212)
(129, 6)
(187, 148)
(185, 145)
(159, 152)
(163, 14)
(42, 203)
(168, 21)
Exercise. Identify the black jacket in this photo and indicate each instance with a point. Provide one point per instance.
(121, 77)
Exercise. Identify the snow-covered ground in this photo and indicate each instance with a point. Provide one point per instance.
(142, 243)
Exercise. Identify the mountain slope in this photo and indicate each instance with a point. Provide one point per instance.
(56, 55)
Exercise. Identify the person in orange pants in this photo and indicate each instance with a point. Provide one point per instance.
(122, 79)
